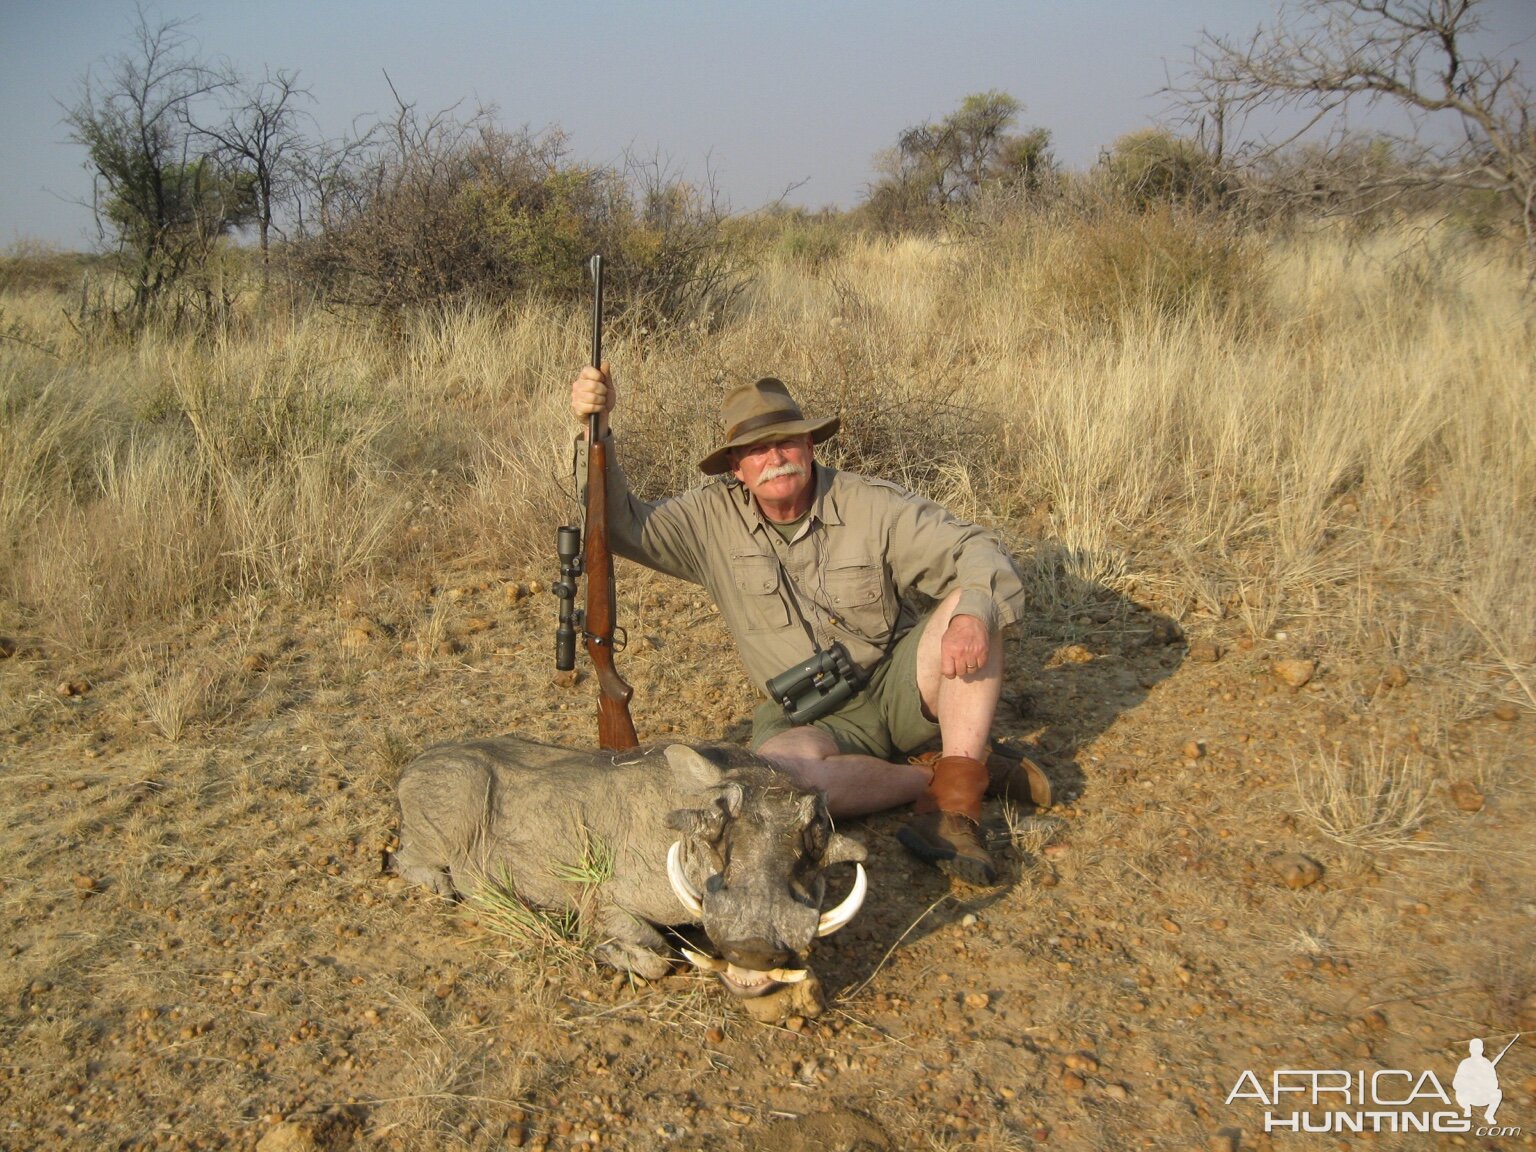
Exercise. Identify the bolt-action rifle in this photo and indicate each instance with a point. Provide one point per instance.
(597, 623)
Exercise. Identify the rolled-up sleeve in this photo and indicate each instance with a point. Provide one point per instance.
(936, 553)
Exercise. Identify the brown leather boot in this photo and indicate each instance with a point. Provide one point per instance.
(1015, 777)
(951, 843)
(946, 830)
(1010, 776)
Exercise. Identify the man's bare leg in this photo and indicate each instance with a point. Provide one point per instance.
(962, 705)
(857, 785)
(854, 785)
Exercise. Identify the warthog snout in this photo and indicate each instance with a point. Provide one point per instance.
(756, 882)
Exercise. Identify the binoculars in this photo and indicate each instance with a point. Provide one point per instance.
(820, 685)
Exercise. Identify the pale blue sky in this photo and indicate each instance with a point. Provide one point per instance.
(768, 94)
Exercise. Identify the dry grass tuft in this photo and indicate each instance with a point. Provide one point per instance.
(1374, 803)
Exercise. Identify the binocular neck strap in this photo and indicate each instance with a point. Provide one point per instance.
(794, 600)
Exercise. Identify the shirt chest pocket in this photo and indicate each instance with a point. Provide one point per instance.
(856, 592)
(759, 603)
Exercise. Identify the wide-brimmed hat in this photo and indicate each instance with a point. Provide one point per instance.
(757, 413)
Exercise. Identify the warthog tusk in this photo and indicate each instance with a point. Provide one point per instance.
(686, 893)
(844, 912)
(708, 963)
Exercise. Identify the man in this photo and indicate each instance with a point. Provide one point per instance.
(1476, 1082)
(803, 559)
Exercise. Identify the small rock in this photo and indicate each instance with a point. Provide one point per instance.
(476, 624)
(1222, 1142)
(566, 679)
(1072, 1082)
(1395, 676)
(1204, 651)
(1081, 1062)
(355, 638)
(1117, 1092)
(1505, 712)
(77, 686)
(1166, 632)
(788, 1003)
(1194, 750)
(1465, 795)
(977, 1000)
(1296, 870)
(84, 883)
(1294, 673)
(1171, 927)
(514, 593)
(1071, 654)
(7, 647)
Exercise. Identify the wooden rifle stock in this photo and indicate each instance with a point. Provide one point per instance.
(615, 728)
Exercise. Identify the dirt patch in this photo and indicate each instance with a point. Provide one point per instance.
(203, 950)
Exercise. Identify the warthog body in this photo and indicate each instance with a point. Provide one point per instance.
(751, 846)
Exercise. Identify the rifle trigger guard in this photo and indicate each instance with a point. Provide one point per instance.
(618, 643)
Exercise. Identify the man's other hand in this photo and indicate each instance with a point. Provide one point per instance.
(965, 647)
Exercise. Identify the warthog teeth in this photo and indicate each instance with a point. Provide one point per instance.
(752, 978)
(744, 977)
(687, 895)
(844, 912)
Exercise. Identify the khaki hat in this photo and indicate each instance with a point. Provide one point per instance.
(756, 413)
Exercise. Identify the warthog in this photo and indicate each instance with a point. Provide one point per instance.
(714, 836)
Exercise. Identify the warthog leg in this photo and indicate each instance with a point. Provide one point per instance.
(631, 945)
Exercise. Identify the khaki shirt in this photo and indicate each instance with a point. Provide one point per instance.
(864, 546)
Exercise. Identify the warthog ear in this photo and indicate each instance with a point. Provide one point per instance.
(842, 849)
(695, 770)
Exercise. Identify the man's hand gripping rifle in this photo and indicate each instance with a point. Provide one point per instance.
(597, 623)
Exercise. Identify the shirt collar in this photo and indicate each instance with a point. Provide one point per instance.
(824, 507)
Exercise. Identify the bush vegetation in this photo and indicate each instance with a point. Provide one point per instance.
(1311, 430)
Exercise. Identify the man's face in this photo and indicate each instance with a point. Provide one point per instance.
(777, 473)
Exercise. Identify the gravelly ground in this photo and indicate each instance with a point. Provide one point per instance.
(202, 950)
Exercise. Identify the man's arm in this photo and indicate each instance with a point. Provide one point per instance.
(936, 553)
(658, 535)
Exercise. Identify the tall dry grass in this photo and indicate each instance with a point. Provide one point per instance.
(1322, 432)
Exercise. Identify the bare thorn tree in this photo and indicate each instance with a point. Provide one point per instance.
(1420, 56)
(163, 201)
(261, 136)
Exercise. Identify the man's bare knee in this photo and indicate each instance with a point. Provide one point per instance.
(803, 743)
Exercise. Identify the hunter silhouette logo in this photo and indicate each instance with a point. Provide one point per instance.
(1339, 1100)
(1477, 1080)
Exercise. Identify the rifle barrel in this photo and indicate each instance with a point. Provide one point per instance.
(594, 427)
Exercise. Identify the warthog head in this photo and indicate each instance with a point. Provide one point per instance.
(750, 867)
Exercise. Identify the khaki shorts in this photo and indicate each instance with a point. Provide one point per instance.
(885, 720)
